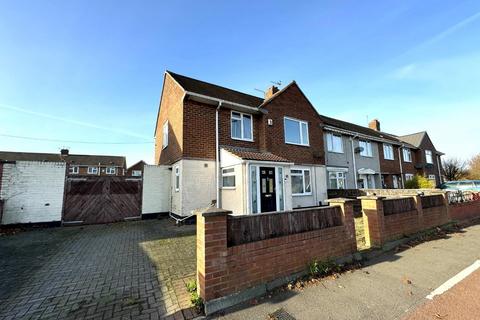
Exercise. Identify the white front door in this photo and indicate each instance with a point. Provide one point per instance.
(395, 182)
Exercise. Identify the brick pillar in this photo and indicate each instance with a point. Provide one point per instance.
(211, 252)
(446, 206)
(418, 204)
(373, 220)
(346, 206)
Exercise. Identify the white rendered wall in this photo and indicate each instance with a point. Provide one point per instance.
(156, 189)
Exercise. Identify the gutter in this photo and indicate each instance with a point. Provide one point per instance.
(220, 101)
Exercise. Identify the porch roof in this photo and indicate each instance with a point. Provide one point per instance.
(254, 154)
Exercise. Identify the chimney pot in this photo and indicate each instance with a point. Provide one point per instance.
(270, 92)
(374, 124)
(64, 152)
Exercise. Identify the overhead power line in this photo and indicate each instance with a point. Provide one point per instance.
(71, 141)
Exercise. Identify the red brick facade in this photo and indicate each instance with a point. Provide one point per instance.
(192, 127)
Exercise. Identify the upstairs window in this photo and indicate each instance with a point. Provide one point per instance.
(241, 125)
(366, 148)
(92, 170)
(111, 170)
(388, 151)
(73, 169)
(407, 155)
(136, 173)
(296, 131)
(334, 143)
(428, 156)
(165, 135)
(228, 178)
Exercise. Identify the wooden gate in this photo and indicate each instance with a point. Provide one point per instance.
(101, 199)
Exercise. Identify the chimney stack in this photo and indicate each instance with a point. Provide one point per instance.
(64, 152)
(374, 124)
(270, 92)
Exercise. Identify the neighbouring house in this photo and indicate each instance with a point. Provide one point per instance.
(136, 170)
(425, 158)
(241, 152)
(360, 157)
(77, 164)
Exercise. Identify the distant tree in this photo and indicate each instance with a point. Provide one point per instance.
(455, 169)
(474, 168)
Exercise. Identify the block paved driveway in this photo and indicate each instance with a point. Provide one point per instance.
(119, 271)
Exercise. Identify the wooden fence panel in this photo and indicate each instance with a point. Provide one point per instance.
(102, 199)
(393, 206)
(250, 228)
(432, 201)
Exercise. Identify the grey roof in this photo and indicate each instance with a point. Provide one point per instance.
(414, 139)
(215, 91)
(359, 129)
(79, 159)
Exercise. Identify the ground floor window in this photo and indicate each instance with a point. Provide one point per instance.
(301, 182)
(254, 189)
(111, 170)
(228, 178)
(137, 173)
(280, 195)
(73, 169)
(408, 176)
(337, 180)
(432, 177)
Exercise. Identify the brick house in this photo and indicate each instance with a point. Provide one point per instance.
(251, 154)
(77, 164)
(136, 170)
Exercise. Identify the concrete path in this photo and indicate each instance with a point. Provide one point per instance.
(134, 270)
(389, 287)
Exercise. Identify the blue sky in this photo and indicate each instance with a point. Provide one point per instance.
(92, 70)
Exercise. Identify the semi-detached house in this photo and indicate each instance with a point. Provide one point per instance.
(249, 154)
(269, 152)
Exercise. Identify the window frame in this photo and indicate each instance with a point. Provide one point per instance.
(369, 144)
(91, 171)
(75, 171)
(176, 178)
(136, 171)
(107, 169)
(388, 145)
(300, 123)
(303, 181)
(330, 144)
(409, 176)
(432, 177)
(409, 152)
(229, 174)
(242, 126)
(165, 133)
(344, 178)
(429, 154)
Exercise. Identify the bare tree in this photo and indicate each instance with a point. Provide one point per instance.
(455, 169)
(474, 168)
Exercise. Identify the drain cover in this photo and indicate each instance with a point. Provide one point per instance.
(281, 314)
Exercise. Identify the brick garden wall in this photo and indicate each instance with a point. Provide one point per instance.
(465, 210)
(223, 270)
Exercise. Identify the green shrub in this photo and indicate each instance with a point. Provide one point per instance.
(320, 268)
(419, 182)
(192, 286)
(412, 183)
(196, 300)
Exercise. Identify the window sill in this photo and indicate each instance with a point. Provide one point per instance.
(240, 139)
(301, 194)
(337, 152)
(298, 144)
(229, 188)
(366, 156)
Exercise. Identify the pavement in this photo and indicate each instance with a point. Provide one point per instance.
(132, 270)
(391, 286)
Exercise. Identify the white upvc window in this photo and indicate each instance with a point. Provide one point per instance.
(296, 131)
(432, 177)
(301, 182)
(92, 170)
(388, 152)
(337, 180)
(428, 156)
(407, 155)
(111, 170)
(334, 143)
(366, 148)
(73, 169)
(165, 135)
(408, 176)
(228, 178)
(136, 173)
(241, 126)
(177, 178)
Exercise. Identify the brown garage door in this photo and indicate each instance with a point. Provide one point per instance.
(101, 199)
